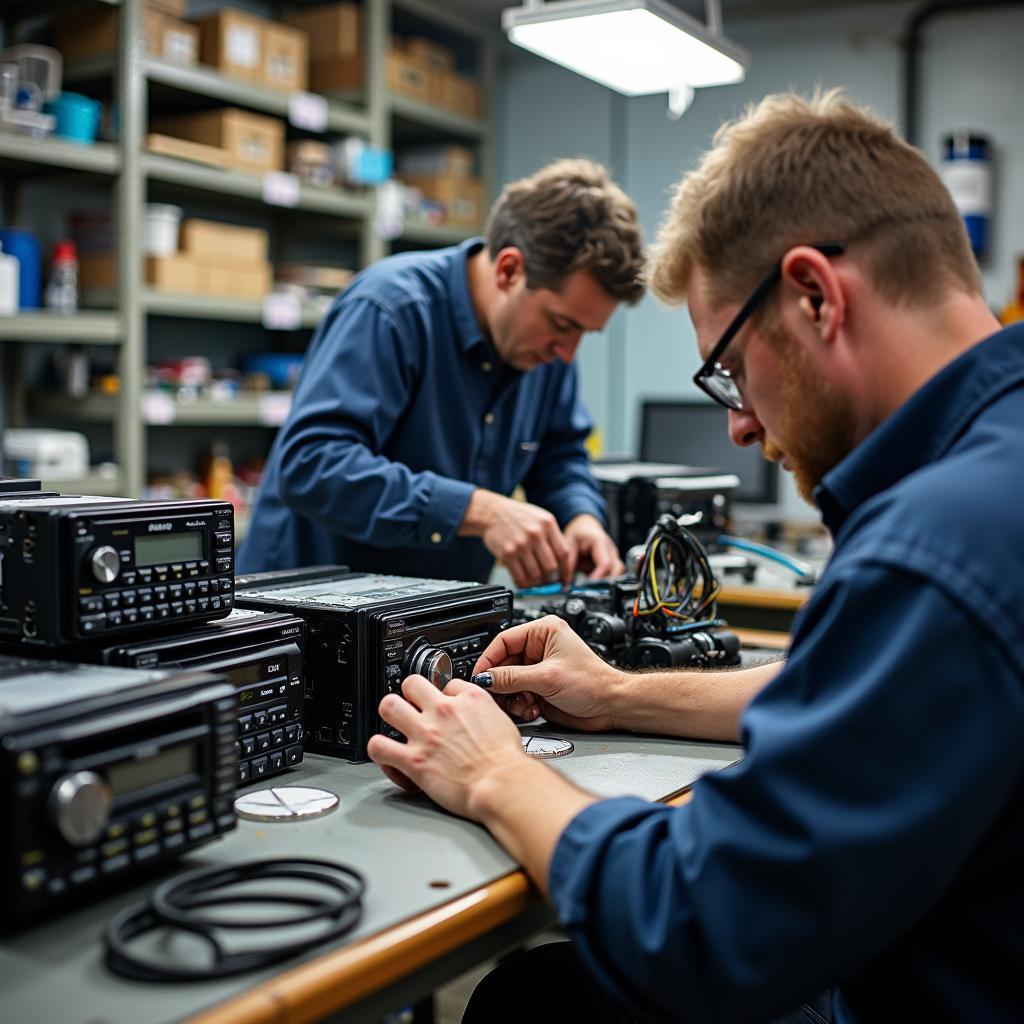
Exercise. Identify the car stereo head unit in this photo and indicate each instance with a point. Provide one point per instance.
(260, 653)
(105, 772)
(73, 567)
(365, 633)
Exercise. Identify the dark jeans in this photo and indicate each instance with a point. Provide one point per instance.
(550, 983)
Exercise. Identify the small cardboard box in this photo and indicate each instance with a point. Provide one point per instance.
(233, 282)
(461, 95)
(232, 41)
(430, 54)
(336, 74)
(168, 145)
(173, 274)
(175, 8)
(462, 198)
(454, 161)
(93, 33)
(285, 57)
(334, 30)
(209, 241)
(253, 142)
(408, 76)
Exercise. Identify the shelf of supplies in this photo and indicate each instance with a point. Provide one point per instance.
(39, 325)
(206, 81)
(203, 307)
(21, 150)
(336, 202)
(435, 234)
(423, 114)
(263, 409)
(105, 484)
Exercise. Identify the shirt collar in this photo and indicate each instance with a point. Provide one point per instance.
(925, 427)
(467, 326)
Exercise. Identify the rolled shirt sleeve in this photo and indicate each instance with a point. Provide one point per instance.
(354, 389)
(877, 762)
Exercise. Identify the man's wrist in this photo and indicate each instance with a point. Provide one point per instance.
(620, 699)
(488, 794)
(479, 513)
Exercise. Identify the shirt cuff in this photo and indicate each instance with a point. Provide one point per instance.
(447, 501)
(567, 508)
(572, 875)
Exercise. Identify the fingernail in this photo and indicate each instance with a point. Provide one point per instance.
(484, 679)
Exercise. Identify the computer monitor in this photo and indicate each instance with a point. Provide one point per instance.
(695, 433)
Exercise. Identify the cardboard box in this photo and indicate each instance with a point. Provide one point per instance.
(453, 161)
(336, 74)
(168, 145)
(461, 95)
(226, 281)
(334, 30)
(253, 142)
(93, 33)
(210, 242)
(285, 57)
(462, 198)
(175, 8)
(232, 41)
(407, 76)
(430, 54)
(98, 271)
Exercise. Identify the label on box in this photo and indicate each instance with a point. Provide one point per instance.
(157, 407)
(272, 410)
(307, 110)
(282, 312)
(281, 188)
(242, 43)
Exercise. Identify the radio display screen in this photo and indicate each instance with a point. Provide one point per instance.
(252, 673)
(172, 547)
(169, 764)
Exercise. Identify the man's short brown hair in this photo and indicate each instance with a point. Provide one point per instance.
(792, 170)
(571, 216)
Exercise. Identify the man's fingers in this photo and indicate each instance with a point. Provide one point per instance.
(398, 713)
(419, 692)
(522, 644)
(400, 779)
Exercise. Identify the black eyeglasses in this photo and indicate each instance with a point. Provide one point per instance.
(712, 378)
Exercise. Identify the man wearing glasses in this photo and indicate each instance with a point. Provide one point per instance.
(869, 844)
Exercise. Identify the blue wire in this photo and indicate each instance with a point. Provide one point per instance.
(557, 588)
(793, 564)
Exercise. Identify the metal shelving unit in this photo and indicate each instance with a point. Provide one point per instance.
(376, 113)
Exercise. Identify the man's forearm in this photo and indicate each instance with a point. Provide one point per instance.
(527, 807)
(700, 705)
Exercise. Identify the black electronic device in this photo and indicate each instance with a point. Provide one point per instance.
(105, 772)
(74, 567)
(259, 653)
(696, 433)
(636, 493)
(366, 632)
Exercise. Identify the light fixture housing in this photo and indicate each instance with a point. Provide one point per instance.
(635, 47)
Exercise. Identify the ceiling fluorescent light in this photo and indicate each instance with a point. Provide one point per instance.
(633, 46)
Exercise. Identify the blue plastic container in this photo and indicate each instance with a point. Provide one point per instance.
(25, 246)
(78, 117)
(967, 173)
(281, 367)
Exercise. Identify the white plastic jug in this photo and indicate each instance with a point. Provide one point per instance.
(9, 273)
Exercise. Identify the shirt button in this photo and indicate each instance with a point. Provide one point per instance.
(486, 367)
(436, 538)
(489, 418)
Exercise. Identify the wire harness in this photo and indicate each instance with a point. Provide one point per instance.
(328, 898)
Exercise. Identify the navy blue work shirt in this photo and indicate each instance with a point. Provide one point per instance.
(872, 838)
(403, 408)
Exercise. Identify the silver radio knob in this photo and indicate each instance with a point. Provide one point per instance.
(105, 563)
(80, 805)
(433, 663)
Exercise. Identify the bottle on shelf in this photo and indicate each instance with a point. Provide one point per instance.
(62, 290)
(10, 269)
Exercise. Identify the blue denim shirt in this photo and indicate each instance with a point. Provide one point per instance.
(402, 409)
(873, 836)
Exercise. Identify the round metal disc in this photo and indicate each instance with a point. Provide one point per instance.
(547, 746)
(285, 803)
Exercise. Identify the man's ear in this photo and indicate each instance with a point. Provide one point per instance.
(812, 278)
(509, 267)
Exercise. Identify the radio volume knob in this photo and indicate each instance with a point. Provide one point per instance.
(432, 662)
(80, 805)
(105, 563)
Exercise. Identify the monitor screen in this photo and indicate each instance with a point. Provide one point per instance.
(696, 434)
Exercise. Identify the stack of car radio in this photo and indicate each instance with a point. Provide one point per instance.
(141, 683)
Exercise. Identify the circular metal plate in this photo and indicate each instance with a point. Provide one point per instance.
(547, 746)
(285, 803)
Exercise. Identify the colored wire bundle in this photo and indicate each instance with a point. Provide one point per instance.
(677, 584)
(179, 904)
